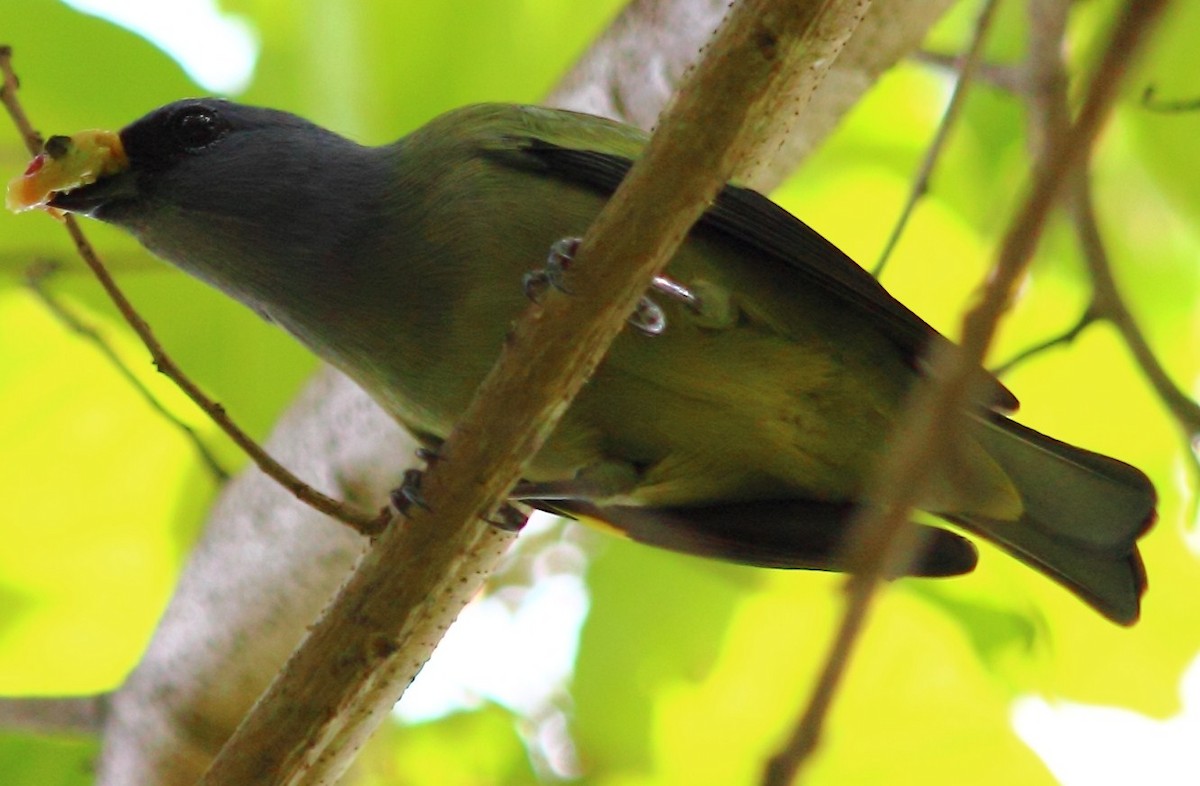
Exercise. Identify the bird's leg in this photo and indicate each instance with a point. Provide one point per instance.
(562, 253)
(676, 291)
(647, 317)
(606, 480)
(710, 305)
(408, 493)
(508, 518)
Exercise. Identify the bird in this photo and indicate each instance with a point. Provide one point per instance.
(737, 416)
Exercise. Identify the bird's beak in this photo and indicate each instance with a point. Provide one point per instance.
(75, 174)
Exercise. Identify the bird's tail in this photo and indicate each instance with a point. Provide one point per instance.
(1083, 514)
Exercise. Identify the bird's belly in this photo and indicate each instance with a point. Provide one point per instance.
(729, 415)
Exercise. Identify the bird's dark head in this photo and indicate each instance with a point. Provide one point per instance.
(243, 197)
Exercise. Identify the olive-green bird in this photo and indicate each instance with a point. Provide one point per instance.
(737, 418)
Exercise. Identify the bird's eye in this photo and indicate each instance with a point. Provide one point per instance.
(197, 127)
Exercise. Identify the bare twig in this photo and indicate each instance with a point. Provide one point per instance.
(966, 72)
(1001, 76)
(1151, 101)
(348, 514)
(1089, 316)
(1050, 116)
(8, 95)
(54, 714)
(1183, 408)
(363, 522)
(35, 279)
(1045, 74)
(929, 425)
(1113, 309)
(359, 657)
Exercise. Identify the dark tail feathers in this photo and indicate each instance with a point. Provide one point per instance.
(1084, 513)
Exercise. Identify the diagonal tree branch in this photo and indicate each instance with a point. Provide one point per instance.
(213, 653)
(380, 629)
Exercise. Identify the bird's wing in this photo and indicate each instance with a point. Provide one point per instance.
(777, 236)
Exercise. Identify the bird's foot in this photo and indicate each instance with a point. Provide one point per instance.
(508, 518)
(408, 493)
(648, 317)
(677, 291)
(429, 455)
(562, 254)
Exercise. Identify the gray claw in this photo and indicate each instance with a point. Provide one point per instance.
(648, 317)
(508, 518)
(562, 253)
(672, 288)
(534, 283)
(409, 492)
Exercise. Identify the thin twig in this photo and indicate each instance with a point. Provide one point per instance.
(8, 95)
(966, 74)
(54, 714)
(928, 426)
(1003, 77)
(1111, 307)
(35, 279)
(1089, 316)
(1155, 104)
(349, 514)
